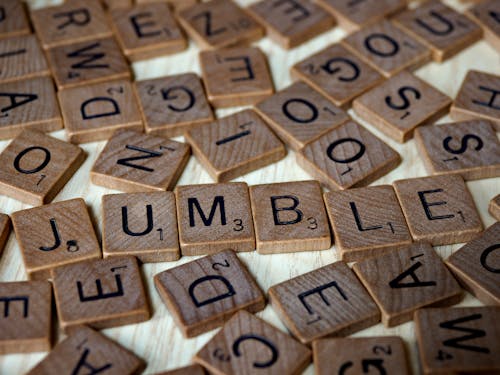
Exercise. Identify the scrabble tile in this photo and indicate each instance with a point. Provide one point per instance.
(35, 167)
(485, 14)
(188, 370)
(214, 217)
(337, 73)
(476, 266)
(13, 19)
(479, 97)
(25, 323)
(5, 227)
(72, 22)
(247, 344)
(236, 76)
(88, 350)
(291, 22)
(29, 103)
(347, 156)
(92, 113)
(366, 221)
(438, 209)
(386, 354)
(329, 301)
(100, 293)
(174, 4)
(387, 49)
(469, 148)
(203, 294)
(114, 4)
(140, 224)
(54, 235)
(235, 145)
(399, 105)
(458, 340)
(87, 62)
(441, 28)
(135, 162)
(494, 207)
(300, 115)
(289, 217)
(171, 105)
(219, 23)
(147, 31)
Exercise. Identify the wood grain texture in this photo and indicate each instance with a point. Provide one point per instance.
(14, 19)
(5, 227)
(485, 14)
(114, 4)
(494, 207)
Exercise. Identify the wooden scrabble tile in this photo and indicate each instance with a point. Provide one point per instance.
(55, 235)
(300, 115)
(35, 167)
(458, 340)
(5, 227)
(93, 113)
(135, 162)
(87, 62)
(140, 224)
(400, 104)
(347, 156)
(438, 209)
(171, 105)
(88, 350)
(29, 103)
(386, 354)
(469, 148)
(235, 145)
(236, 76)
(25, 323)
(114, 4)
(337, 73)
(13, 19)
(366, 221)
(289, 217)
(387, 49)
(476, 266)
(485, 14)
(188, 370)
(100, 293)
(203, 294)
(72, 22)
(479, 97)
(329, 301)
(219, 23)
(291, 22)
(494, 207)
(147, 31)
(214, 217)
(174, 4)
(247, 344)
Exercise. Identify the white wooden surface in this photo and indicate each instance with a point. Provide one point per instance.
(158, 340)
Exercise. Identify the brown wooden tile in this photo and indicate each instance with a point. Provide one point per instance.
(347, 156)
(458, 340)
(5, 227)
(171, 105)
(494, 207)
(88, 350)
(247, 344)
(399, 105)
(135, 162)
(366, 221)
(114, 4)
(214, 217)
(469, 148)
(13, 19)
(292, 22)
(387, 49)
(140, 224)
(438, 209)
(329, 301)
(93, 113)
(188, 370)
(289, 217)
(35, 167)
(235, 145)
(100, 293)
(479, 97)
(485, 14)
(25, 323)
(300, 115)
(203, 294)
(236, 76)
(174, 4)
(147, 31)
(386, 354)
(337, 73)
(54, 235)
(219, 23)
